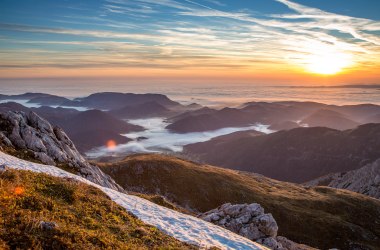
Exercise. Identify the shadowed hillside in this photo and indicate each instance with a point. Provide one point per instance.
(297, 155)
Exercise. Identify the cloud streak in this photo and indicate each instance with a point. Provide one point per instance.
(191, 34)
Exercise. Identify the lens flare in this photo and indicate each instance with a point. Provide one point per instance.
(19, 190)
(111, 144)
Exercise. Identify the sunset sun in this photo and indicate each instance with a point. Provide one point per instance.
(327, 61)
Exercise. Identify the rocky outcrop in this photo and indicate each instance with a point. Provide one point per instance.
(30, 133)
(365, 180)
(250, 221)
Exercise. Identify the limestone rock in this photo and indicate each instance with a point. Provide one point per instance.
(50, 145)
(250, 221)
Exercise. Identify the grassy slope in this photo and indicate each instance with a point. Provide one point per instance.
(86, 217)
(319, 217)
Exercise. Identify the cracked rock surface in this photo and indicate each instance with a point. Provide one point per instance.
(48, 144)
(250, 221)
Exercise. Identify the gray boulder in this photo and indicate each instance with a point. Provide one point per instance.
(30, 133)
(250, 221)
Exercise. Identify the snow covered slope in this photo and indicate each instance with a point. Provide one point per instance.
(183, 227)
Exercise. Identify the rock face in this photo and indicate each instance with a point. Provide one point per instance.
(50, 145)
(365, 180)
(250, 221)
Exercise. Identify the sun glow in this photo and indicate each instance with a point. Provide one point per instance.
(326, 59)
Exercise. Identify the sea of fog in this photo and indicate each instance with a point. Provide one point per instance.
(28, 104)
(156, 138)
(215, 95)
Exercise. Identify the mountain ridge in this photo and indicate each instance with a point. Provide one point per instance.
(297, 155)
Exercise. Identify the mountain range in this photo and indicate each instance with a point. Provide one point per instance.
(309, 114)
(332, 201)
(296, 155)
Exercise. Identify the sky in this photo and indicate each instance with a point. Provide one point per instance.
(196, 41)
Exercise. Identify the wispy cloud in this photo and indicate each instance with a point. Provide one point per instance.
(193, 34)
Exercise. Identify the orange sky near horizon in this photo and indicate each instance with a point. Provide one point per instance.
(280, 75)
(259, 42)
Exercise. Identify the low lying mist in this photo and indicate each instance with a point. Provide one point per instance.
(156, 138)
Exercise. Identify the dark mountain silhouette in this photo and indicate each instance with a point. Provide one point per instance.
(26, 96)
(297, 155)
(285, 125)
(56, 115)
(372, 119)
(250, 113)
(94, 128)
(280, 115)
(227, 117)
(201, 111)
(148, 109)
(113, 100)
(357, 112)
(329, 118)
(49, 100)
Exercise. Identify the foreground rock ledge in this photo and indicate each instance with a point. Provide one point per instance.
(250, 221)
(50, 145)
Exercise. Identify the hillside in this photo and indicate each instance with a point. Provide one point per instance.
(330, 119)
(94, 128)
(43, 212)
(183, 227)
(365, 180)
(148, 109)
(297, 155)
(301, 213)
(113, 100)
(49, 100)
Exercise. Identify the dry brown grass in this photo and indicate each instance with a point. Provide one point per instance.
(319, 217)
(86, 217)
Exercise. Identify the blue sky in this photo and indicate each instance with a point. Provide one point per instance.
(254, 35)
